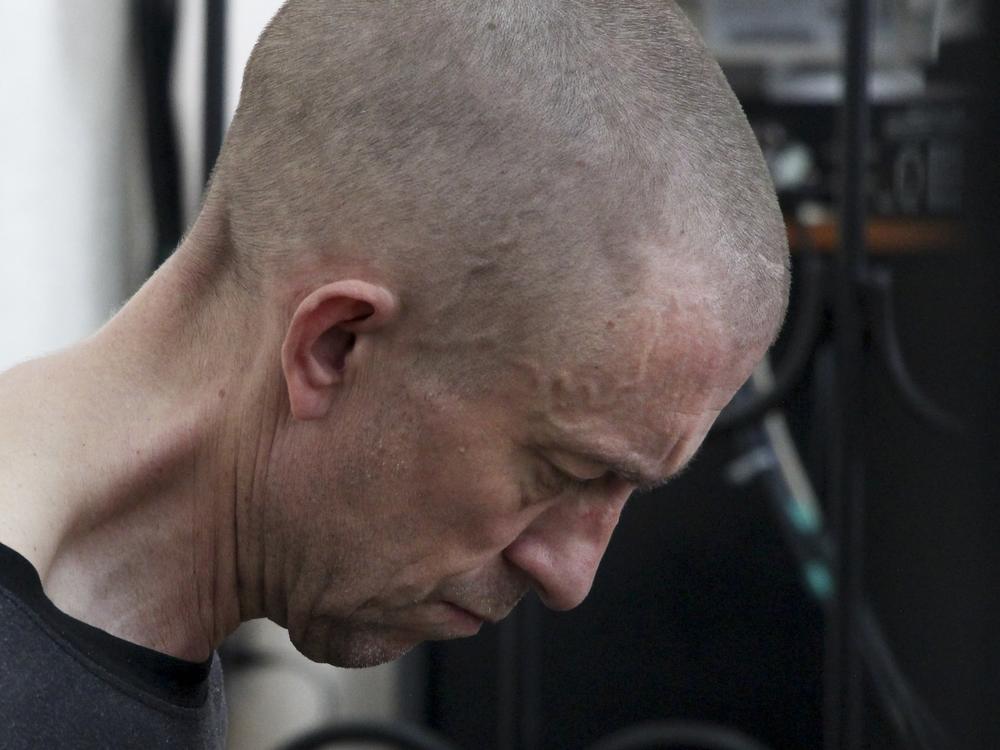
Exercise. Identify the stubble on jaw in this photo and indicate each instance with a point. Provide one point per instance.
(350, 647)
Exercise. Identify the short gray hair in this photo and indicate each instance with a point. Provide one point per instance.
(485, 145)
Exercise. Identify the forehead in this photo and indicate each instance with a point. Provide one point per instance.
(647, 379)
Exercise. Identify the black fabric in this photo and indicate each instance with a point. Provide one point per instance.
(64, 683)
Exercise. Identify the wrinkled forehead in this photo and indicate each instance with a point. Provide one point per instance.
(661, 364)
(665, 357)
(667, 341)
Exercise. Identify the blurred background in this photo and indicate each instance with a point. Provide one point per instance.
(824, 576)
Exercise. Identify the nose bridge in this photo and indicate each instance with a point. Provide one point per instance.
(561, 549)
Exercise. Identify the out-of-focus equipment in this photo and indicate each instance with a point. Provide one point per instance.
(396, 735)
(781, 37)
(895, 155)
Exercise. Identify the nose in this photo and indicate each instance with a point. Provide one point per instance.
(561, 549)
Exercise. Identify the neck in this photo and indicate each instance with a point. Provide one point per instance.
(123, 460)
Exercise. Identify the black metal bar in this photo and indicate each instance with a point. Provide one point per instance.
(508, 673)
(398, 734)
(883, 321)
(531, 699)
(762, 460)
(519, 690)
(660, 735)
(215, 88)
(843, 720)
(155, 22)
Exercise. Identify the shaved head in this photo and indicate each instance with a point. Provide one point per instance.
(467, 274)
(494, 159)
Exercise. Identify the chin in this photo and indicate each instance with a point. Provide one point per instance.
(353, 650)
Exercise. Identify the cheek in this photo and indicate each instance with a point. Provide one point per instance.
(470, 504)
(441, 481)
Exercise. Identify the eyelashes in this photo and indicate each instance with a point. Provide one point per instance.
(552, 480)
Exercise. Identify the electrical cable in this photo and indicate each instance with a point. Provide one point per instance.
(399, 735)
(155, 23)
(914, 721)
(801, 345)
(215, 83)
(845, 491)
(677, 734)
(878, 283)
(518, 690)
(769, 454)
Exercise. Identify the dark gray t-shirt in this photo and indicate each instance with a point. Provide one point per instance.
(64, 683)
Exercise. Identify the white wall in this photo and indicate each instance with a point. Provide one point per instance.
(75, 237)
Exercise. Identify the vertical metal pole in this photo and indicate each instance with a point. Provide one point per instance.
(507, 683)
(531, 700)
(844, 685)
(519, 699)
(156, 26)
(215, 90)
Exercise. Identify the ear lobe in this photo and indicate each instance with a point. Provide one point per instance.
(321, 337)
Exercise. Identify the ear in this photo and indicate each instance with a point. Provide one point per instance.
(318, 346)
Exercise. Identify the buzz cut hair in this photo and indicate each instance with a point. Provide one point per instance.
(476, 151)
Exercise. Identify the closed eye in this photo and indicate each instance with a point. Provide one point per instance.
(555, 481)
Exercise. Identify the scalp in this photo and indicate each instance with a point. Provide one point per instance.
(497, 158)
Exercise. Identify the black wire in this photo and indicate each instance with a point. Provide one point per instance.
(215, 90)
(518, 685)
(508, 674)
(913, 719)
(398, 735)
(879, 284)
(676, 734)
(155, 22)
(801, 346)
(813, 550)
(843, 685)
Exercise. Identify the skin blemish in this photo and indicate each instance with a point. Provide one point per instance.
(222, 393)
